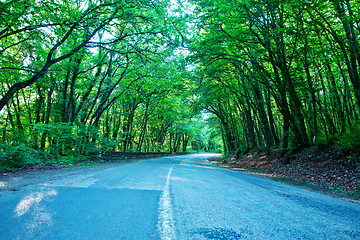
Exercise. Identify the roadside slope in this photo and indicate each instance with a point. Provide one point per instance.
(326, 169)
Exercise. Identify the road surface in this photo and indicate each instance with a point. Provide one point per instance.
(180, 197)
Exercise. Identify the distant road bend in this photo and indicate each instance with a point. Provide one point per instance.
(178, 197)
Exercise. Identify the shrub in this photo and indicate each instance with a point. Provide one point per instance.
(351, 139)
(18, 155)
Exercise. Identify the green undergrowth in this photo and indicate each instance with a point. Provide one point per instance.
(16, 156)
(300, 182)
(325, 187)
(351, 138)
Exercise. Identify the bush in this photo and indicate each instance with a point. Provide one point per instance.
(18, 155)
(73, 140)
(65, 144)
(351, 139)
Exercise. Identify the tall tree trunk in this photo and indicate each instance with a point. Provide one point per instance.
(3, 136)
(264, 123)
(282, 103)
(353, 46)
(65, 112)
(127, 130)
(286, 128)
(144, 126)
(38, 107)
(271, 118)
(19, 125)
(185, 140)
(336, 99)
(296, 107)
(329, 120)
(72, 104)
(48, 111)
(314, 125)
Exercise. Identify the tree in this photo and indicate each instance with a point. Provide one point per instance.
(64, 28)
(81, 78)
(266, 52)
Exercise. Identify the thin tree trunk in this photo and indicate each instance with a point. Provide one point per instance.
(38, 105)
(48, 111)
(271, 119)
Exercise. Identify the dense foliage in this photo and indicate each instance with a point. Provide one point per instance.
(83, 76)
(79, 77)
(279, 72)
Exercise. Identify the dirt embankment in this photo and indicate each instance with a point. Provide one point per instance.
(329, 168)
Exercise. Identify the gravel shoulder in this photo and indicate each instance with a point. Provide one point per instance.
(327, 169)
(336, 193)
(38, 174)
(15, 181)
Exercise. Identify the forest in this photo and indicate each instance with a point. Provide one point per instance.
(79, 77)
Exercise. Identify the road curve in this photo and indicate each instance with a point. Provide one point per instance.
(180, 197)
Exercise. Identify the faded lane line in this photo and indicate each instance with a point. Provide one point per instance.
(166, 219)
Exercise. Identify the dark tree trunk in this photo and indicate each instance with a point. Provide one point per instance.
(48, 111)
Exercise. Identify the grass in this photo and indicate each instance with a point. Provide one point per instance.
(299, 182)
(15, 160)
(331, 189)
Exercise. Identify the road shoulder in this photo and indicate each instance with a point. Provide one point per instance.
(336, 193)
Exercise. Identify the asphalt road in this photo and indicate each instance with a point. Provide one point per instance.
(180, 197)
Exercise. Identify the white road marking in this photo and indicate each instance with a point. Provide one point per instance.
(166, 219)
